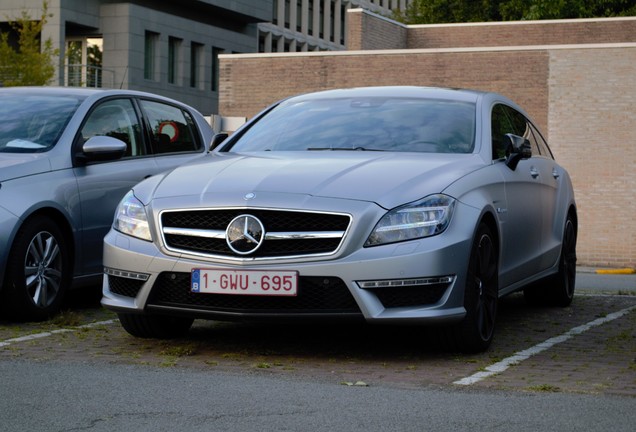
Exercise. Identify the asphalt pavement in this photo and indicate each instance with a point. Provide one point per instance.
(605, 281)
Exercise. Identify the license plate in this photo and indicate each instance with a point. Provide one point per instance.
(245, 282)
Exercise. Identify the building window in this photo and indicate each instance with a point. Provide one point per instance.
(215, 67)
(195, 64)
(299, 15)
(275, 12)
(343, 16)
(287, 13)
(150, 55)
(332, 21)
(310, 18)
(174, 48)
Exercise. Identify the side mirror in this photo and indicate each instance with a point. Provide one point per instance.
(102, 148)
(517, 149)
(217, 140)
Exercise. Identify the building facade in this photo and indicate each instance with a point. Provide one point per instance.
(315, 25)
(172, 48)
(161, 46)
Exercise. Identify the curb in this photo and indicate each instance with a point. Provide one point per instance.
(620, 271)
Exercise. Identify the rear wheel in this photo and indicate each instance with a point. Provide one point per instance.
(561, 291)
(558, 290)
(38, 271)
(155, 326)
(475, 332)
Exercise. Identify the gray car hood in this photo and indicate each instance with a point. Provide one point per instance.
(388, 179)
(14, 165)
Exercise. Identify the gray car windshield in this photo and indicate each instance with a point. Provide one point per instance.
(367, 123)
(33, 123)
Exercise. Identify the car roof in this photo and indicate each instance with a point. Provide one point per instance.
(465, 95)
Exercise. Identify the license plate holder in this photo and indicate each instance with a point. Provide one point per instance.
(244, 282)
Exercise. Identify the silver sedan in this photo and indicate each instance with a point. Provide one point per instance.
(67, 157)
(389, 204)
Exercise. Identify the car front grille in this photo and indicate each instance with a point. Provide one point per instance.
(316, 295)
(286, 233)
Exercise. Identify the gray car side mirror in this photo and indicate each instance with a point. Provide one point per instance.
(517, 148)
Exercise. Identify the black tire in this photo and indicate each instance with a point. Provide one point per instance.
(561, 287)
(155, 326)
(557, 290)
(38, 272)
(481, 296)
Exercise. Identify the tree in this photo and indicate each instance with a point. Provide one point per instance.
(27, 62)
(442, 11)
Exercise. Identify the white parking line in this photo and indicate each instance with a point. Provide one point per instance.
(520, 356)
(51, 333)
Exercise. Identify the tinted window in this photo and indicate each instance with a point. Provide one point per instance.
(387, 124)
(172, 129)
(33, 123)
(115, 118)
(508, 120)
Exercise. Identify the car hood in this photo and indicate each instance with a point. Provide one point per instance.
(388, 179)
(14, 165)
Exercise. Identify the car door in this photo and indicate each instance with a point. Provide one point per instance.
(522, 215)
(102, 184)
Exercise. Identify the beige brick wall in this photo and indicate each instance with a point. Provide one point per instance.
(583, 98)
(592, 126)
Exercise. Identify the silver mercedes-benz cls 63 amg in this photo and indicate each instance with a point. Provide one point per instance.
(389, 204)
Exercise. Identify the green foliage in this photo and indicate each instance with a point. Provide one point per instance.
(31, 62)
(448, 11)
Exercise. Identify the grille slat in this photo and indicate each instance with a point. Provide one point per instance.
(274, 221)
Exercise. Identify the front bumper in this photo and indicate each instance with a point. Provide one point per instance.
(419, 281)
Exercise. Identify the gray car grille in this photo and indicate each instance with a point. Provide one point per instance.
(287, 233)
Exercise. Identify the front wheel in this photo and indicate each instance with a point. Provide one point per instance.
(155, 326)
(481, 294)
(38, 271)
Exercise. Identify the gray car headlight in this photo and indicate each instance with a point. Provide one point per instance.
(423, 218)
(131, 219)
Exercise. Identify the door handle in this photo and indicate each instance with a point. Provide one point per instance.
(555, 174)
(534, 173)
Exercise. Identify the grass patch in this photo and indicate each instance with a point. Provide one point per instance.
(545, 388)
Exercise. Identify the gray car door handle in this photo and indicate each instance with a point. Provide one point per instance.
(555, 174)
(534, 173)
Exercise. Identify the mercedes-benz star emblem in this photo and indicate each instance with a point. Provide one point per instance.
(245, 234)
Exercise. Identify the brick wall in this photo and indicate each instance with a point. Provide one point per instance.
(582, 97)
(592, 124)
(523, 33)
(368, 31)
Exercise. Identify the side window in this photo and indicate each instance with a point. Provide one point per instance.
(500, 126)
(544, 150)
(115, 118)
(172, 129)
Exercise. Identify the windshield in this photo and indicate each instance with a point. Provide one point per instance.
(373, 124)
(33, 123)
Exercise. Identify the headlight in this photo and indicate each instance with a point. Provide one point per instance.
(424, 218)
(130, 218)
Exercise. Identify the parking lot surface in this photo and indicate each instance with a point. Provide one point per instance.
(589, 347)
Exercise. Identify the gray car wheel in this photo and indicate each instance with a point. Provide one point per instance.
(155, 326)
(481, 293)
(38, 271)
